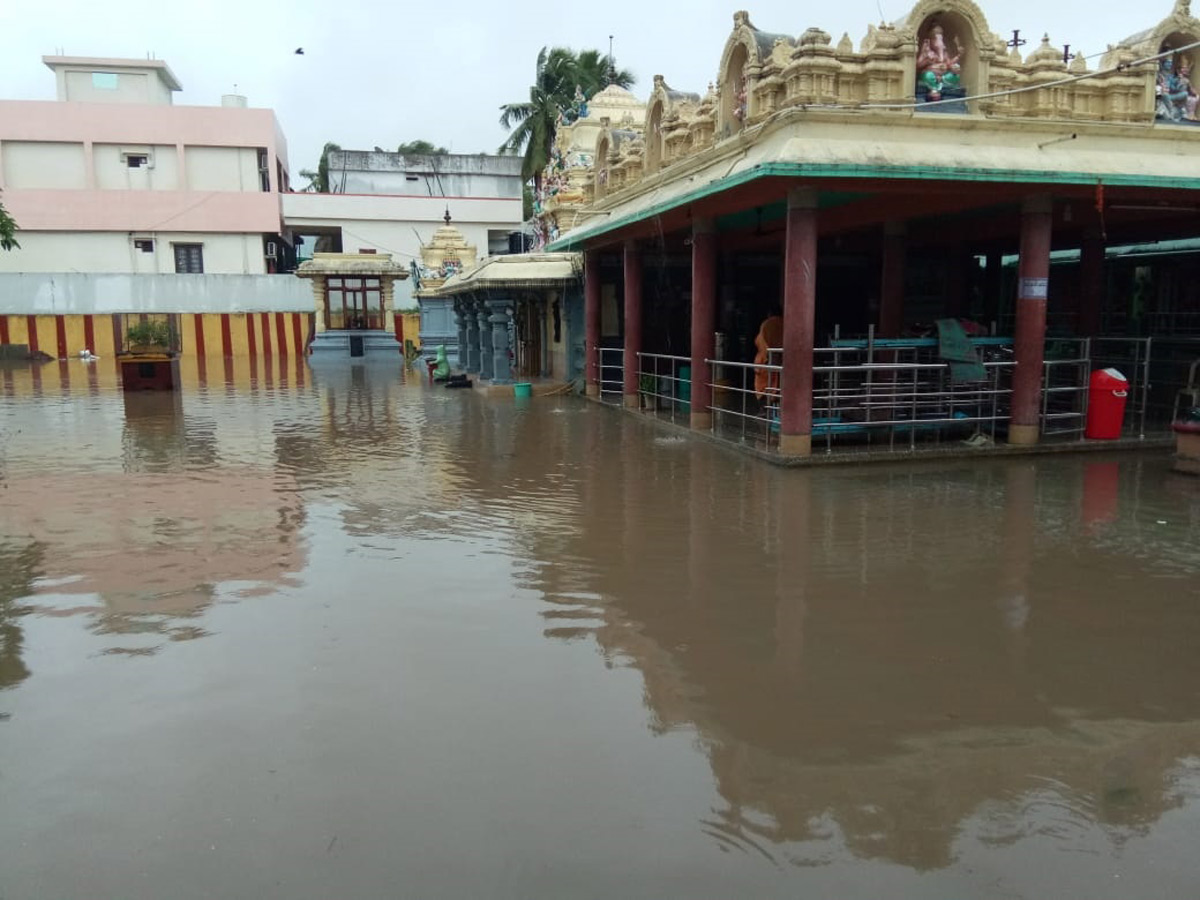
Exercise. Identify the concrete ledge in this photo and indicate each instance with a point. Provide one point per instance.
(941, 453)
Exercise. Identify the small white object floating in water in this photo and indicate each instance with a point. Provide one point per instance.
(87, 356)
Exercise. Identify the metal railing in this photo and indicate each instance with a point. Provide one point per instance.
(904, 402)
(740, 410)
(1066, 367)
(892, 394)
(665, 384)
(1131, 356)
(612, 372)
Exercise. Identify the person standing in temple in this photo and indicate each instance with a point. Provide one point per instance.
(770, 335)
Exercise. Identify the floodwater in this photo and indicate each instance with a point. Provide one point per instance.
(296, 634)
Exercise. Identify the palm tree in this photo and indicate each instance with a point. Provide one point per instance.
(595, 72)
(8, 231)
(552, 91)
(319, 180)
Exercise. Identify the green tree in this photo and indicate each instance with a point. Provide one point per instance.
(319, 180)
(559, 72)
(595, 72)
(421, 148)
(8, 231)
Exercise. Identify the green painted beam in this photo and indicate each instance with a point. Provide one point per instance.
(896, 173)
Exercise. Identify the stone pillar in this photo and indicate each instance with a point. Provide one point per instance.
(483, 316)
(1091, 282)
(591, 315)
(891, 281)
(471, 324)
(387, 299)
(460, 319)
(1033, 278)
(499, 318)
(704, 319)
(799, 316)
(633, 322)
(318, 289)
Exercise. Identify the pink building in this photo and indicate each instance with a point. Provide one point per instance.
(113, 178)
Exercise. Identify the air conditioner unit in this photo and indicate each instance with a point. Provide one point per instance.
(271, 250)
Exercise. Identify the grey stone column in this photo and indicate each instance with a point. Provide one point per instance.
(471, 330)
(460, 319)
(501, 365)
(485, 340)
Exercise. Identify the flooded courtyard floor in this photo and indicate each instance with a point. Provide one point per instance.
(312, 634)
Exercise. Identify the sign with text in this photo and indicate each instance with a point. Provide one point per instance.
(1034, 288)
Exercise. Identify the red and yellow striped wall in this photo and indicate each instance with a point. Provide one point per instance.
(253, 335)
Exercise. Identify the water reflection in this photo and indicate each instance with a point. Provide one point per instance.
(20, 566)
(891, 659)
(912, 667)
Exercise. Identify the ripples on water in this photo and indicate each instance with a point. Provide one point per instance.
(354, 627)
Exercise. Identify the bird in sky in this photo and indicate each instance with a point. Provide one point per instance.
(299, 51)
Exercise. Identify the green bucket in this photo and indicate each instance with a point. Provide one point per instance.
(523, 389)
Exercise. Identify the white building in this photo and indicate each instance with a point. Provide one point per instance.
(392, 203)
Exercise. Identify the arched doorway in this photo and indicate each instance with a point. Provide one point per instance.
(601, 168)
(654, 138)
(735, 106)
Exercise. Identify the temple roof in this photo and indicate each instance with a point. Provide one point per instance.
(359, 264)
(836, 147)
(613, 96)
(527, 270)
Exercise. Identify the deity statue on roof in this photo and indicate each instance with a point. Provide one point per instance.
(938, 70)
(1174, 97)
(739, 100)
(576, 111)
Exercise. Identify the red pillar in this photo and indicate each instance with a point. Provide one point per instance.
(799, 316)
(633, 322)
(704, 319)
(1091, 282)
(591, 316)
(891, 287)
(1033, 278)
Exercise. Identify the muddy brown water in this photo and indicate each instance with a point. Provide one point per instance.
(305, 634)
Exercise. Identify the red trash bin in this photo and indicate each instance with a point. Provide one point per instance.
(1108, 390)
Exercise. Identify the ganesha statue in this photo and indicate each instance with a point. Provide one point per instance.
(938, 70)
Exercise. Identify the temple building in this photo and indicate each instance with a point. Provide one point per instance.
(445, 255)
(354, 298)
(519, 318)
(922, 237)
(608, 125)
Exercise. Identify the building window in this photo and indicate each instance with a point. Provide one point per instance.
(137, 160)
(104, 81)
(353, 303)
(189, 259)
(146, 245)
(264, 171)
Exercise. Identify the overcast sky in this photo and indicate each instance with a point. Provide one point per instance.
(379, 73)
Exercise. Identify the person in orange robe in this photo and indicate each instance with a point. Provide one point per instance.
(770, 334)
